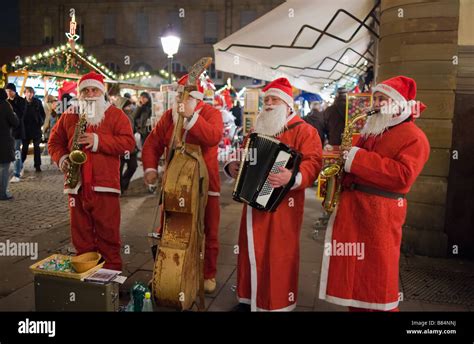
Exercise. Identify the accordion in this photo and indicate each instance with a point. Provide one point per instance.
(264, 155)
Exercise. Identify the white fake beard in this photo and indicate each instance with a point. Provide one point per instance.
(271, 122)
(94, 108)
(377, 124)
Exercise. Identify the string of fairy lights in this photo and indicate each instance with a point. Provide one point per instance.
(79, 51)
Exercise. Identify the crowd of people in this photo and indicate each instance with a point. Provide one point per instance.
(329, 121)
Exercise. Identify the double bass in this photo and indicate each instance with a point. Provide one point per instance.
(178, 276)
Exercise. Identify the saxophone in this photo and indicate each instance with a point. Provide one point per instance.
(334, 173)
(77, 157)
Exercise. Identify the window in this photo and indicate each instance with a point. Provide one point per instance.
(141, 67)
(213, 73)
(113, 67)
(109, 27)
(47, 31)
(210, 27)
(178, 68)
(247, 16)
(81, 32)
(142, 27)
(79, 29)
(175, 21)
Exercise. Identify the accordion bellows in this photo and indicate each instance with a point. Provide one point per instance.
(262, 156)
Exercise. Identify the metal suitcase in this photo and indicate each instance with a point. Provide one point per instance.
(56, 294)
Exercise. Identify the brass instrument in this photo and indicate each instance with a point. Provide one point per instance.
(77, 156)
(334, 173)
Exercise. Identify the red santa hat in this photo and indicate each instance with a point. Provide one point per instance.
(92, 79)
(280, 88)
(402, 90)
(199, 93)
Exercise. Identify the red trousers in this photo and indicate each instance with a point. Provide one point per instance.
(211, 229)
(95, 226)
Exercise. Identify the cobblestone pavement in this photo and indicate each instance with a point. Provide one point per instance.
(42, 209)
(38, 203)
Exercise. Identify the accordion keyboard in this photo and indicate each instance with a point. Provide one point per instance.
(267, 189)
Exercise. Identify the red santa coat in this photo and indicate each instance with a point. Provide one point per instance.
(371, 224)
(204, 129)
(268, 261)
(112, 137)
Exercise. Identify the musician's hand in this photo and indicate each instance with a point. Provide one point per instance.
(65, 165)
(233, 168)
(151, 177)
(86, 139)
(189, 107)
(344, 154)
(280, 179)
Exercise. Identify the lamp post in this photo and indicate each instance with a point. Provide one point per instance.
(170, 42)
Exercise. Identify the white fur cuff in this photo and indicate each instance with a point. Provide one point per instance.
(350, 158)
(95, 146)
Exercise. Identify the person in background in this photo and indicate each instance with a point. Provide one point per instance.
(133, 106)
(49, 105)
(8, 121)
(315, 118)
(142, 115)
(124, 104)
(18, 104)
(237, 112)
(334, 118)
(33, 120)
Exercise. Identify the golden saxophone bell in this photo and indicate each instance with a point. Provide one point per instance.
(330, 170)
(78, 157)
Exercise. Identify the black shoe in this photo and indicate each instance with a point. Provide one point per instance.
(38, 169)
(7, 198)
(241, 307)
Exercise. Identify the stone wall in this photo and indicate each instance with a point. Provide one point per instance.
(419, 38)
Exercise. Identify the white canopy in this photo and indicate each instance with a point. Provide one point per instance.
(313, 43)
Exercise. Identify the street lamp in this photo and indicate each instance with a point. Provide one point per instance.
(170, 42)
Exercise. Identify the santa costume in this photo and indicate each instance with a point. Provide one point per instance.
(94, 203)
(380, 171)
(269, 242)
(205, 130)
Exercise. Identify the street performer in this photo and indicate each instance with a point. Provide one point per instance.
(268, 259)
(380, 171)
(203, 127)
(94, 201)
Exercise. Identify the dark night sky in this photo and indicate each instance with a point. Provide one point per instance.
(10, 23)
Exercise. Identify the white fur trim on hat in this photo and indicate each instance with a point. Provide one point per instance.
(91, 83)
(280, 94)
(406, 106)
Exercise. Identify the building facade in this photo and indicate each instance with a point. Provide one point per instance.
(125, 35)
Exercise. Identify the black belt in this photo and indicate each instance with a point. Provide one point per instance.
(375, 191)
